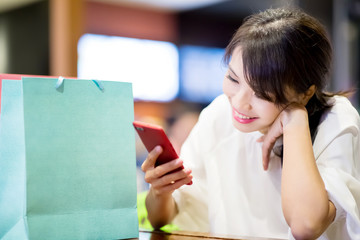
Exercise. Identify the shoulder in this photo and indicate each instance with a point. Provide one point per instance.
(342, 115)
(341, 119)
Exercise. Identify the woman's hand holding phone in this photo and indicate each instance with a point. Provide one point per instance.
(163, 168)
(163, 178)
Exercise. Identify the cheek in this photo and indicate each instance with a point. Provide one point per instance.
(268, 111)
(272, 112)
(227, 88)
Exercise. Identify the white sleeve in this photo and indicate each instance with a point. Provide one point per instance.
(191, 200)
(339, 166)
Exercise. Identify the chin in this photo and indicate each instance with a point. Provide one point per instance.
(245, 128)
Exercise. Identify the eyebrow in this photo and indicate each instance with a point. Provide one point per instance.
(232, 71)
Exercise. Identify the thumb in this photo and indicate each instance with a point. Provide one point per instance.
(260, 139)
(151, 158)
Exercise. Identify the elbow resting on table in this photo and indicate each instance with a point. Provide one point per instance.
(311, 226)
(157, 225)
(307, 229)
(159, 220)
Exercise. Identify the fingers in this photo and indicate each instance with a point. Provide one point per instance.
(163, 178)
(268, 140)
(171, 179)
(260, 139)
(268, 144)
(161, 170)
(291, 112)
(149, 162)
(171, 182)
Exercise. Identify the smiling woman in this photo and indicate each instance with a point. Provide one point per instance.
(278, 66)
(249, 112)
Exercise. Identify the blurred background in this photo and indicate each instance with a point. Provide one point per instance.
(170, 50)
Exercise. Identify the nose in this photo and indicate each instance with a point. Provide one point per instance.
(242, 99)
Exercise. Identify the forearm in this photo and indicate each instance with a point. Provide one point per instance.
(161, 209)
(305, 202)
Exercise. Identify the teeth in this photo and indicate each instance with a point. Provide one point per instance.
(241, 116)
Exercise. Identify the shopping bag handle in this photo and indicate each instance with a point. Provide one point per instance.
(99, 84)
(60, 81)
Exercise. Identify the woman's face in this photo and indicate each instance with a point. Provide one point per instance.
(249, 112)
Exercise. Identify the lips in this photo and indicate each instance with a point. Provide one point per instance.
(241, 118)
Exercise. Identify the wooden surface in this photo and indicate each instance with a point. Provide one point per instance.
(158, 235)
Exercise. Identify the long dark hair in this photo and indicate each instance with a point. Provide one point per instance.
(285, 48)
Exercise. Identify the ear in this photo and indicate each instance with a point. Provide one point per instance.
(305, 97)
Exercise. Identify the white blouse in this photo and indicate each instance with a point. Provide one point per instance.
(231, 193)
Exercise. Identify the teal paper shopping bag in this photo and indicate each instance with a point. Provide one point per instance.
(67, 160)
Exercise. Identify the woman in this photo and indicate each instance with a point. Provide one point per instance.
(275, 156)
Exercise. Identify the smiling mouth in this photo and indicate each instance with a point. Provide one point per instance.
(243, 119)
(241, 116)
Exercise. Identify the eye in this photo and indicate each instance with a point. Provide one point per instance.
(231, 79)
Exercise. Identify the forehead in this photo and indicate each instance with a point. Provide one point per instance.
(236, 62)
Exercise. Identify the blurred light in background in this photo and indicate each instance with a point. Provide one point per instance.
(152, 66)
(201, 73)
(158, 70)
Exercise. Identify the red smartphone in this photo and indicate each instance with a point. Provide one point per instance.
(152, 135)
